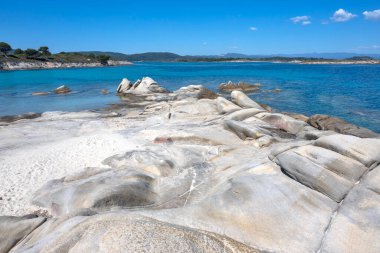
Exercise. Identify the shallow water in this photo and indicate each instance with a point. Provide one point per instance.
(347, 91)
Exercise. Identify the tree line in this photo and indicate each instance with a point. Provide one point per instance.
(44, 52)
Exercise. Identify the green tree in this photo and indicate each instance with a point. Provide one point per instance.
(103, 59)
(31, 53)
(18, 51)
(5, 48)
(44, 50)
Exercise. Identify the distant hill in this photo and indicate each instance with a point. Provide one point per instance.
(336, 56)
(150, 56)
(167, 56)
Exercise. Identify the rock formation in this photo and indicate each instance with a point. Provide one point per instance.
(62, 90)
(325, 122)
(212, 175)
(240, 86)
(146, 86)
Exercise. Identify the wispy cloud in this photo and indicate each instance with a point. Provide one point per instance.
(325, 22)
(342, 16)
(252, 28)
(373, 47)
(303, 20)
(372, 15)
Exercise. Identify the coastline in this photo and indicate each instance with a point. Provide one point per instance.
(58, 65)
(12, 66)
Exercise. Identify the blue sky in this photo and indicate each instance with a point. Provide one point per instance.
(193, 27)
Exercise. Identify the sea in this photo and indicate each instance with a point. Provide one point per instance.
(350, 92)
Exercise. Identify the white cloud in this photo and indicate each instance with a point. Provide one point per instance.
(304, 20)
(342, 16)
(253, 28)
(372, 15)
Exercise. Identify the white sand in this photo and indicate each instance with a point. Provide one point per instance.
(32, 153)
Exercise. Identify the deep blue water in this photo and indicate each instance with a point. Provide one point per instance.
(347, 91)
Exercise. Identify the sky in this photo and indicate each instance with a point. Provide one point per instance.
(193, 27)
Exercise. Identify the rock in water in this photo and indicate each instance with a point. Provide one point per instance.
(40, 93)
(144, 87)
(104, 92)
(325, 122)
(124, 85)
(241, 86)
(62, 90)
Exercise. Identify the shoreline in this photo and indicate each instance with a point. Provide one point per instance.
(124, 63)
(9, 66)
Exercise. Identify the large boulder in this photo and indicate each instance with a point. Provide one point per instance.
(261, 207)
(322, 170)
(13, 229)
(136, 179)
(356, 226)
(124, 86)
(225, 106)
(282, 122)
(146, 86)
(366, 151)
(325, 122)
(96, 189)
(244, 101)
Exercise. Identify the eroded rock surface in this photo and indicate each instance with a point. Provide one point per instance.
(211, 175)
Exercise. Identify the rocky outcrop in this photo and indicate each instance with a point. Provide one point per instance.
(325, 122)
(13, 229)
(10, 65)
(214, 175)
(146, 86)
(244, 101)
(9, 119)
(240, 86)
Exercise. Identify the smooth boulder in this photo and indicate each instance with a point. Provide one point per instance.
(322, 170)
(244, 101)
(224, 106)
(124, 85)
(13, 229)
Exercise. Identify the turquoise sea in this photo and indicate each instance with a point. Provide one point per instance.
(350, 92)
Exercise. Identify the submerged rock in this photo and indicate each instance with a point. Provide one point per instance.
(62, 90)
(40, 93)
